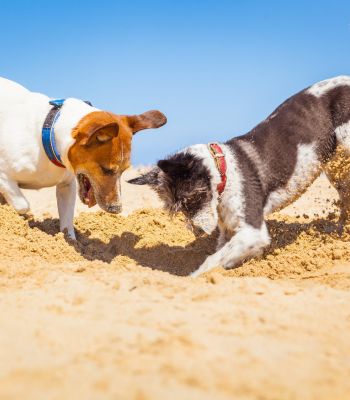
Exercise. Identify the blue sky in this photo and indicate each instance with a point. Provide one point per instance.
(215, 68)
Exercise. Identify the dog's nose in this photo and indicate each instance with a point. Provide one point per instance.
(114, 208)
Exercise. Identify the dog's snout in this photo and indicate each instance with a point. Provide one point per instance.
(114, 208)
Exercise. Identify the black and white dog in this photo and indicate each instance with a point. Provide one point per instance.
(233, 185)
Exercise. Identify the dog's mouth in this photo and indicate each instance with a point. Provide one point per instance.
(86, 191)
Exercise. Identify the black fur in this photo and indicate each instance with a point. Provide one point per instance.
(181, 181)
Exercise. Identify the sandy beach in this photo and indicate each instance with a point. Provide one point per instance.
(115, 316)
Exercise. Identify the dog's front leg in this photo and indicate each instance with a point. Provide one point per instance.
(221, 239)
(246, 243)
(225, 235)
(66, 194)
(13, 195)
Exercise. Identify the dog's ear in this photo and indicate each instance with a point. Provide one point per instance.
(150, 178)
(173, 167)
(98, 126)
(100, 134)
(148, 120)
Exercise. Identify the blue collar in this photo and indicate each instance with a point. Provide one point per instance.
(48, 133)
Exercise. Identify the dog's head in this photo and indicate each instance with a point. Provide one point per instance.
(101, 152)
(183, 183)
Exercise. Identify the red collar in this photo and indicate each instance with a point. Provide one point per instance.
(220, 162)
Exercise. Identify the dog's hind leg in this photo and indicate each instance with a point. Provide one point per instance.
(337, 170)
(343, 189)
(13, 195)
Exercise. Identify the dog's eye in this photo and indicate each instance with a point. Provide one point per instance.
(108, 171)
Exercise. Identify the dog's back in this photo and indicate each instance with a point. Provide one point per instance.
(286, 152)
(11, 93)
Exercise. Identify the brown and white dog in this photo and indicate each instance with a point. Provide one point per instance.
(92, 146)
(260, 172)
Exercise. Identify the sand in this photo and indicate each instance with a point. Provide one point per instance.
(114, 316)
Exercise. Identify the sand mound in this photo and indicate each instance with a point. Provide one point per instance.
(147, 237)
(299, 248)
(150, 238)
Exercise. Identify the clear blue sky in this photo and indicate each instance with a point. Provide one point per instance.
(215, 68)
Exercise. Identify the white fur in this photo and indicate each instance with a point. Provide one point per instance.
(247, 242)
(320, 88)
(232, 204)
(206, 218)
(307, 168)
(342, 134)
(23, 161)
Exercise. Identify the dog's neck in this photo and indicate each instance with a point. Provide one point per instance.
(72, 111)
(202, 152)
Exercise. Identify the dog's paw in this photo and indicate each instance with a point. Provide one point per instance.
(205, 267)
(23, 209)
(69, 234)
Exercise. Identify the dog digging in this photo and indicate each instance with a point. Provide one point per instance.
(150, 238)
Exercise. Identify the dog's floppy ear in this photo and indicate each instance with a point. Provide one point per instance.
(99, 126)
(150, 178)
(101, 134)
(147, 120)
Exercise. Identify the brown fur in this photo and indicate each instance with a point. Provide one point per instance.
(102, 150)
